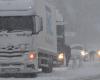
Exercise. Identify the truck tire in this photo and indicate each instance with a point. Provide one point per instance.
(48, 69)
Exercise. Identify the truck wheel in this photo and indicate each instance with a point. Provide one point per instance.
(48, 69)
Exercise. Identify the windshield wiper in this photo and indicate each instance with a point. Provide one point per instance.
(24, 31)
(12, 31)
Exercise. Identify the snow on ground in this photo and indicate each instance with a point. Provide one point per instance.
(86, 72)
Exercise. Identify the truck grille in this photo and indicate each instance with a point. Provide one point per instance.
(11, 64)
(10, 56)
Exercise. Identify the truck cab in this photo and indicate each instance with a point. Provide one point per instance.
(19, 25)
(28, 38)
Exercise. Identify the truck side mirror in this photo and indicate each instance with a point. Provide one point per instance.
(38, 24)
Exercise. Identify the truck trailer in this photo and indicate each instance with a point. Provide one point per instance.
(28, 39)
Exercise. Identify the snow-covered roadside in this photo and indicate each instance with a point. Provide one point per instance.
(63, 73)
(88, 70)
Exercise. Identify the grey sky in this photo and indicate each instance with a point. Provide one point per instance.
(83, 18)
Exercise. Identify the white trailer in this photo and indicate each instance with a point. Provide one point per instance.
(27, 36)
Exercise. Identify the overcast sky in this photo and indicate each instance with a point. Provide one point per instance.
(83, 18)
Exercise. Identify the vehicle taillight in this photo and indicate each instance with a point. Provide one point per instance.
(32, 55)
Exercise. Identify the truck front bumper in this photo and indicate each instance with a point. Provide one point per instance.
(29, 68)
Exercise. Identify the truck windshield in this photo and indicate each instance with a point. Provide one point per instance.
(11, 23)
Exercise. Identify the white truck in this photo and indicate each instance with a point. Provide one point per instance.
(27, 37)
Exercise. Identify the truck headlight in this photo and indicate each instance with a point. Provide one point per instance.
(83, 53)
(32, 55)
(61, 56)
(98, 53)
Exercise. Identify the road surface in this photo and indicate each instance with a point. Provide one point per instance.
(91, 78)
(86, 72)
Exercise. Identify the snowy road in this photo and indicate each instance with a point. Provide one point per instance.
(87, 72)
(91, 78)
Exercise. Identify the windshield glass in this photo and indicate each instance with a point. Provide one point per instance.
(11, 23)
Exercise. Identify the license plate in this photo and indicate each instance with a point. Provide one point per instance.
(10, 69)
